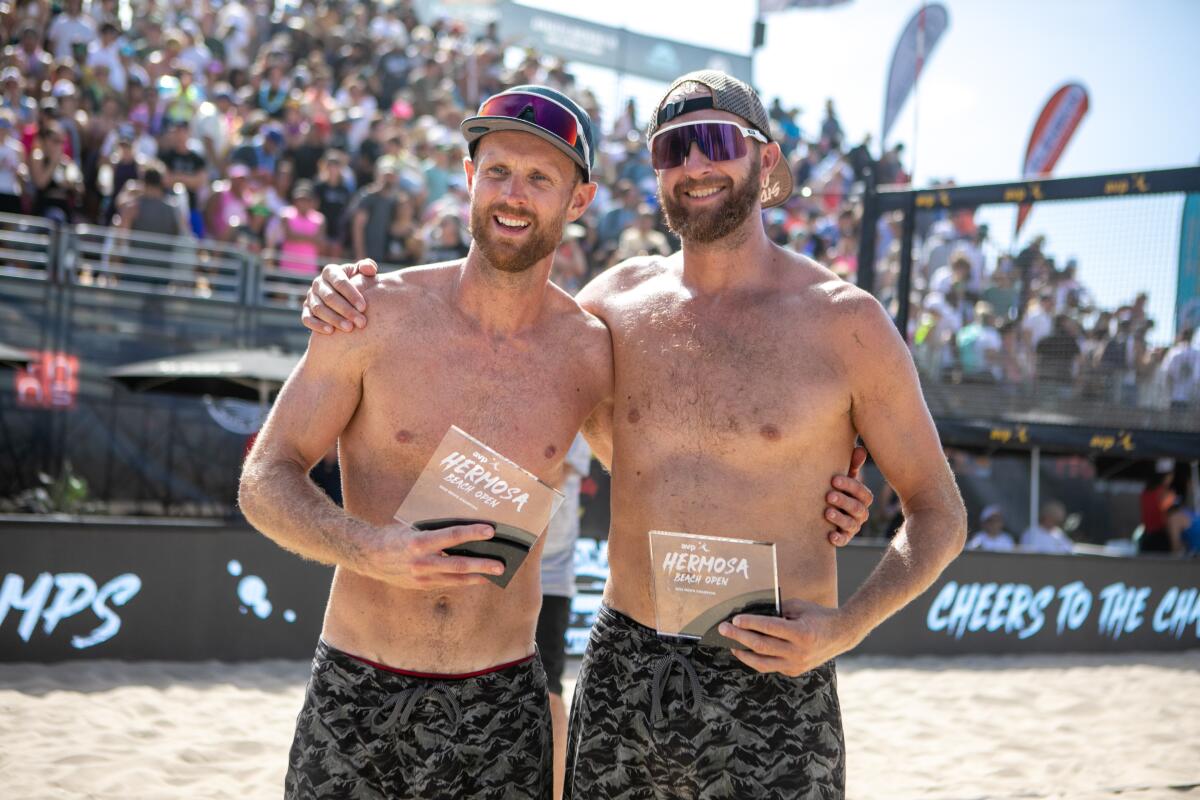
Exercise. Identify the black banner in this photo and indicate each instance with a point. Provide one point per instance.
(191, 592)
(1119, 184)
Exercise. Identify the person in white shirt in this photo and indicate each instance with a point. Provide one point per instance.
(13, 173)
(1039, 319)
(1181, 366)
(69, 28)
(992, 535)
(106, 51)
(1046, 536)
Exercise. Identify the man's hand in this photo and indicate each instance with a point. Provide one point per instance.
(849, 503)
(806, 636)
(333, 301)
(403, 556)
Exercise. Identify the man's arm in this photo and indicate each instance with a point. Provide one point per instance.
(889, 412)
(277, 496)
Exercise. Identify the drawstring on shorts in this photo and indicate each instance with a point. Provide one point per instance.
(400, 706)
(662, 672)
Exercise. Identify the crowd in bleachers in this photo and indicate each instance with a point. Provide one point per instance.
(1028, 324)
(316, 131)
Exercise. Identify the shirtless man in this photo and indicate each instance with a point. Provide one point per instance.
(743, 374)
(425, 682)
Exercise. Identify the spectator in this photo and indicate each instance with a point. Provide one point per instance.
(186, 165)
(214, 126)
(1155, 499)
(23, 106)
(298, 232)
(13, 173)
(404, 247)
(1046, 536)
(229, 203)
(122, 166)
(1039, 319)
(642, 239)
(831, 128)
(71, 28)
(570, 270)
(980, 348)
(333, 200)
(992, 535)
(1058, 358)
(375, 211)
(106, 51)
(57, 181)
(151, 212)
(446, 239)
(1117, 363)
(1183, 528)
(1181, 367)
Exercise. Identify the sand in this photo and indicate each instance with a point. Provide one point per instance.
(1077, 727)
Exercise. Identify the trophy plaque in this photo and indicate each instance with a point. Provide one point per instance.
(701, 581)
(468, 483)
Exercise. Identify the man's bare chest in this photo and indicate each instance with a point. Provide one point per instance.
(526, 405)
(744, 380)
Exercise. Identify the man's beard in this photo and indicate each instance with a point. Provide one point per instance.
(710, 224)
(540, 241)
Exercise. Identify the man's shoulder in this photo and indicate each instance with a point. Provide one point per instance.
(629, 275)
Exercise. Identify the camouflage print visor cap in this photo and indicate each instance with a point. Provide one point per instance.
(731, 95)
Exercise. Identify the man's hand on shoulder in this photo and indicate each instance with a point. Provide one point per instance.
(402, 556)
(333, 301)
(806, 636)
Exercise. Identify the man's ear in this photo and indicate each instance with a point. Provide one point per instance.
(581, 197)
(770, 155)
(469, 171)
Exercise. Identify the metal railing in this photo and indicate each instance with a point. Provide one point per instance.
(28, 247)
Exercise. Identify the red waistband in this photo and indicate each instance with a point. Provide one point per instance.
(440, 676)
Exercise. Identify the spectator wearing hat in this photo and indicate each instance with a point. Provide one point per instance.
(24, 107)
(992, 535)
(229, 203)
(642, 239)
(65, 96)
(13, 173)
(298, 232)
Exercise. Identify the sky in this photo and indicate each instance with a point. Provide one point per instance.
(978, 98)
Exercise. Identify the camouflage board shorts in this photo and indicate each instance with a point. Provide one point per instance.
(367, 731)
(652, 720)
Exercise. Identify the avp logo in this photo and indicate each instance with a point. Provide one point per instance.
(53, 598)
